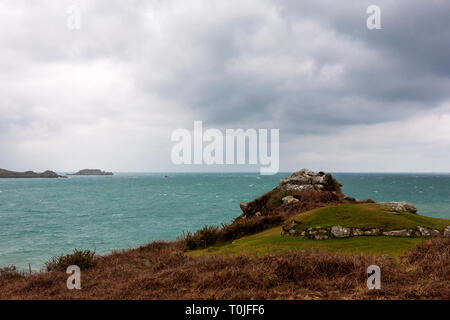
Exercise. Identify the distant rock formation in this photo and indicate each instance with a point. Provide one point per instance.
(29, 174)
(92, 172)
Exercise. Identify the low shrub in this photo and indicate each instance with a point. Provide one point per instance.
(201, 238)
(84, 259)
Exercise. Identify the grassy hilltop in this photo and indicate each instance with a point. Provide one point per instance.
(362, 216)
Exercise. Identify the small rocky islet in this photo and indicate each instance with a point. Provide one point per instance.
(347, 217)
(91, 172)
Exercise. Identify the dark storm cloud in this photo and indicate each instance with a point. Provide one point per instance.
(385, 74)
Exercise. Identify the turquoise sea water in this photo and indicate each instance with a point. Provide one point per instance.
(40, 218)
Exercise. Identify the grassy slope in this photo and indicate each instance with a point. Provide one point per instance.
(363, 216)
(271, 241)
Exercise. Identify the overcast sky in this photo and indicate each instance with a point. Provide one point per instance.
(109, 95)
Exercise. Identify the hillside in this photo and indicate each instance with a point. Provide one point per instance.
(363, 217)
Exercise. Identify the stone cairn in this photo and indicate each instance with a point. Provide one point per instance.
(307, 180)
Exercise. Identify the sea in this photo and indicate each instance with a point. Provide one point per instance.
(41, 218)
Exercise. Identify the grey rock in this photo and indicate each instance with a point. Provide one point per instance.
(321, 237)
(341, 232)
(372, 232)
(289, 199)
(399, 207)
(357, 232)
(318, 233)
(307, 180)
(399, 233)
(446, 232)
(425, 232)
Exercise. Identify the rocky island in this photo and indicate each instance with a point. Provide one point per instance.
(91, 172)
(29, 174)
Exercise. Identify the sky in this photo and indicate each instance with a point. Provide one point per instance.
(110, 93)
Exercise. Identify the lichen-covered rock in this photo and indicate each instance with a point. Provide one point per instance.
(341, 232)
(289, 199)
(425, 232)
(307, 180)
(399, 233)
(446, 232)
(399, 207)
(372, 232)
(357, 232)
(319, 233)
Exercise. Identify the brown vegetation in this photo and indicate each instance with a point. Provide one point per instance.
(162, 271)
(81, 258)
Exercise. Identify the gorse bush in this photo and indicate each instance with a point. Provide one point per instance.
(82, 258)
(10, 272)
(201, 238)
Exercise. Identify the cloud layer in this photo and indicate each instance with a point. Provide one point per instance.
(345, 98)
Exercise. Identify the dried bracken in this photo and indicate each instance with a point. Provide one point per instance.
(162, 270)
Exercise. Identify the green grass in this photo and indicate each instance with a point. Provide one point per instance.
(271, 240)
(364, 216)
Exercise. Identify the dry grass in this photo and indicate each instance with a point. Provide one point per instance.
(162, 271)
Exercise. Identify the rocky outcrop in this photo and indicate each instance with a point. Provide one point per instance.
(307, 180)
(399, 207)
(323, 233)
(290, 189)
(29, 174)
(92, 172)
